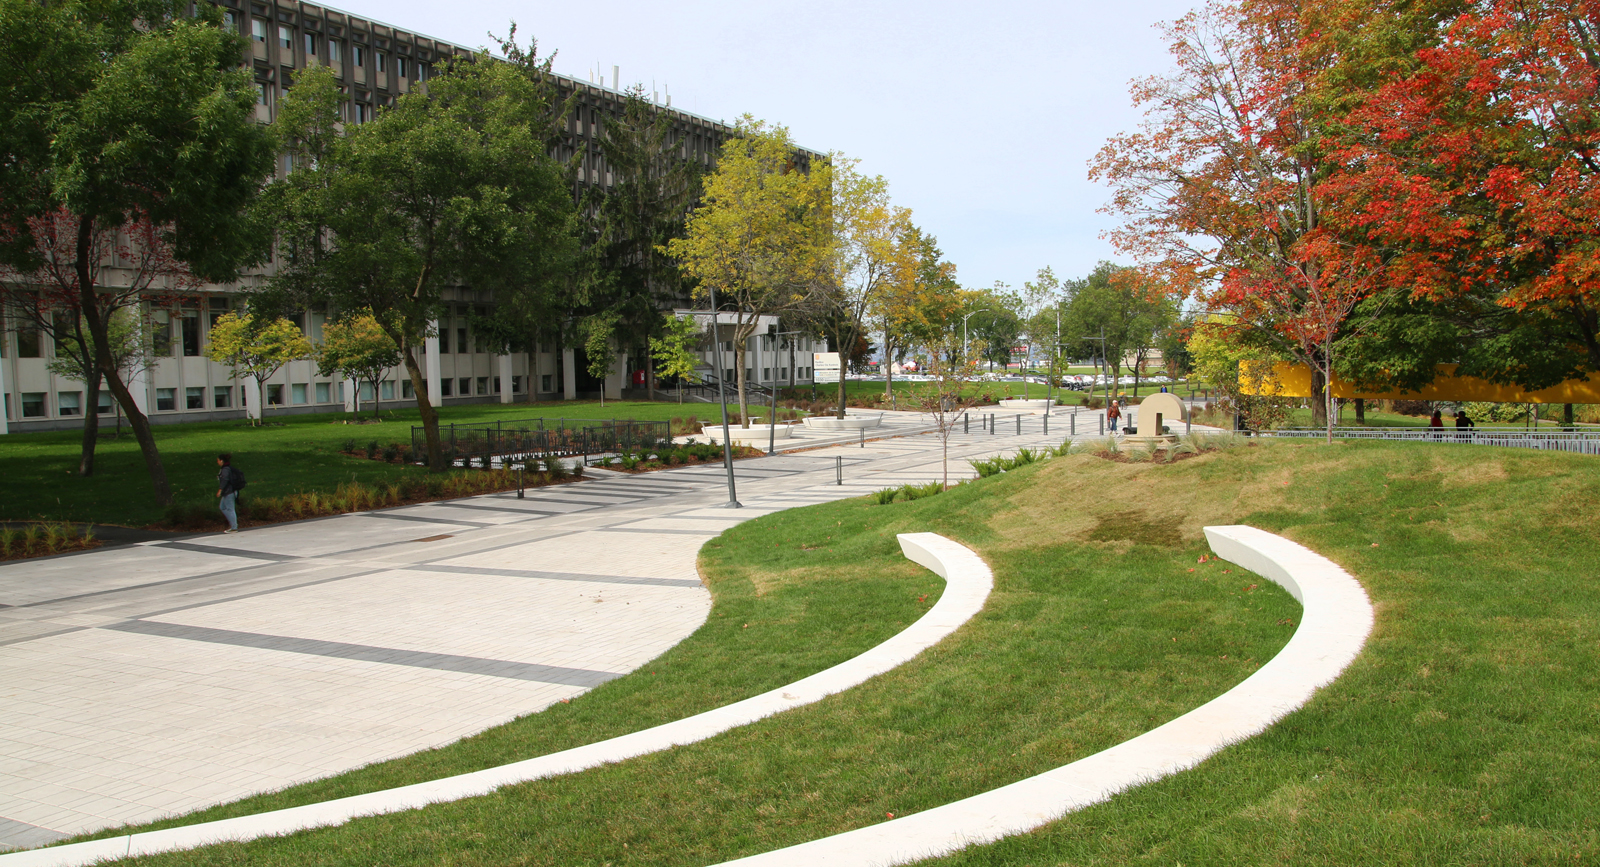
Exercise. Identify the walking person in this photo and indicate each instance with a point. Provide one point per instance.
(229, 482)
(1113, 417)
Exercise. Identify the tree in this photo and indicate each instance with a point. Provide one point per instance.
(257, 348)
(124, 119)
(1475, 161)
(945, 395)
(625, 275)
(1222, 191)
(756, 239)
(1240, 370)
(357, 348)
(863, 252)
(1113, 313)
(450, 187)
(597, 336)
(132, 351)
(673, 351)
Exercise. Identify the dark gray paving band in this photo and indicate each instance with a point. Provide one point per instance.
(423, 520)
(21, 835)
(501, 510)
(230, 552)
(648, 530)
(556, 576)
(368, 653)
(5, 642)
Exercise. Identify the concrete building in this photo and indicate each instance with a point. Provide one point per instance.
(378, 62)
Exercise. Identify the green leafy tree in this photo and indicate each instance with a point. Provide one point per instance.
(1112, 314)
(125, 115)
(451, 187)
(673, 352)
(132, 351)
(599, 331)
(756, 239)
(257, 348)
(357, 348)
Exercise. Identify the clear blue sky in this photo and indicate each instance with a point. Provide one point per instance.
(982, 116)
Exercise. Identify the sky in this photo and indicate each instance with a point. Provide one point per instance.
(982, 116)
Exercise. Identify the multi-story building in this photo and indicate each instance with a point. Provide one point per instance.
(377, 62)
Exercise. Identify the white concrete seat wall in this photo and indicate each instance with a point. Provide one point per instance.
(1335, 623)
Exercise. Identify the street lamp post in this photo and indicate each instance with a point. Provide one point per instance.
(722, 398)
(964, 332)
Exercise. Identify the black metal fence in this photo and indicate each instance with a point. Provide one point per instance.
(1583, 442)
(526, 439)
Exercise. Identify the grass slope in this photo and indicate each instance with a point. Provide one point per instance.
(1082, 645)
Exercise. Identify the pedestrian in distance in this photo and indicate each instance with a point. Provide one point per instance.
(1435, 425)
(229, 482)
(1464, 425)
(1113, 416)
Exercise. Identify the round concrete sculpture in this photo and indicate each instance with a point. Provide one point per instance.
(1156, 412)
(1027, 403)
(752, 435)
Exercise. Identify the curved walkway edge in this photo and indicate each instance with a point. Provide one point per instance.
(1335, 622)
(967, 585)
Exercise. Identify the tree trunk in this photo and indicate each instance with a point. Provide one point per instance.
(99, 333)
(739, 340)
(888, 369)
(430, 416)
(91, 424)
(1319, 398)
(1361, 411)
(1568, 418)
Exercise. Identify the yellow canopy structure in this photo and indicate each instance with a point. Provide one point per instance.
(1294, 380)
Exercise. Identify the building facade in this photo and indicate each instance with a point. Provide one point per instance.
(377, 63)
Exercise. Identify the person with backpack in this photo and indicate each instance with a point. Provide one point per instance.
(229, 483)
(1113, 416)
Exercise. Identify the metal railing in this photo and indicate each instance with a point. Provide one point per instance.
(1582, 442)
(524, 439)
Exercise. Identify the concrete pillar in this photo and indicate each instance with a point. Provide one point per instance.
(569, 374)
(430, 362)
(505, 378)
(618, 379)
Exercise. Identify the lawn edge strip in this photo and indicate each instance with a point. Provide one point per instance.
(968, 584)
(1336, 620)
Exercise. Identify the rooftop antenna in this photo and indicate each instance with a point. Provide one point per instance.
(668, 88)
(616, 77)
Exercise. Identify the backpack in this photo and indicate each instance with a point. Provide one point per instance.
(238, 478)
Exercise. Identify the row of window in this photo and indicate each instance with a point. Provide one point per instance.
(333, 50)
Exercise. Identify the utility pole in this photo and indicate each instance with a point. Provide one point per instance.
(722, 398)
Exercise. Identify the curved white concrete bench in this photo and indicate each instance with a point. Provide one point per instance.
(1333, 626)
(967, 585)
(849, 422)
(1027, 403)
(754, 434)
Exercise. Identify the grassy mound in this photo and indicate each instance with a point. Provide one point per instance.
(1082, 645)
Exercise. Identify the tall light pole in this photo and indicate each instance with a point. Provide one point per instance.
(722, 398)
(964, 332)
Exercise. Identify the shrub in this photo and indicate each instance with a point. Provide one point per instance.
(883, 497)
(987, 468)
(390, 453)
(372, 449)
(554, 468)
(349, 447)
(917, 492)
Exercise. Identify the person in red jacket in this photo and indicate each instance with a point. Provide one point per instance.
(1113, 416)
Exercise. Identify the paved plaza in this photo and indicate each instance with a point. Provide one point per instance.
(155, 679)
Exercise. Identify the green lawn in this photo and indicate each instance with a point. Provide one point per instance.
(1466, 733)
(293, 453)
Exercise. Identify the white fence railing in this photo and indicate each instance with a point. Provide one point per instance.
(1582, 442)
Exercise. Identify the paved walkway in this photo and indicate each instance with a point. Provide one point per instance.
(164, 677)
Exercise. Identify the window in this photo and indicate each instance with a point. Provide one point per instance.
(461, 341)
(28, 343)
(229, 21)
(340, 389)
(261, 93)
(285, 38)
(69, 403)
(377, 62)
(766, 373)
(218, 307)
(516, 385)
(483, 385)
(333, 51)
(727, 375)
(323, 393)
(497, 385)
(364, 392)
(422, 72)
(191, 333)
(161, 333)
(222, 397)
(444, 341)
(104, 405)
(297, 394)
(465, 385)
(194, 397)
(258, 30)
(166, 399)
(406, 391)
(33, 404)
(388, 389)
(400, 67)
(244, 396)
(311, 45)
(363, 112)
(274, 395)
(444, 388)
(358, 56)
(544, 383)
